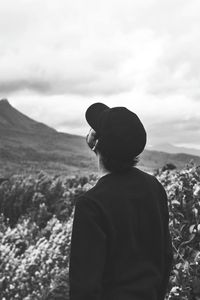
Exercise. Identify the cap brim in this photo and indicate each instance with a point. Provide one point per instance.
(93, 113)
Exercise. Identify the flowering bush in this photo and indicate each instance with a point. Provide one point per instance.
(34, 245)
(41, 197)
(35, 231)
(31, 260)
(183, 189)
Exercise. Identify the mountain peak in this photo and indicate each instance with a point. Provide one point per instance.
(13, 119)
(4, 101)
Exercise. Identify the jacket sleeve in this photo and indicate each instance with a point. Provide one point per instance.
(88, 251)
(168, 255)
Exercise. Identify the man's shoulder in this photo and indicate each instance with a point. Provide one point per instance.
(110, 184)
(89, 195)
(151, 180)
(147, 176)
(92, 193)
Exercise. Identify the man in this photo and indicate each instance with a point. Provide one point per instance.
(120, 247)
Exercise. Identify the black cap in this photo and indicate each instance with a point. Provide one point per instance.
(120, 132)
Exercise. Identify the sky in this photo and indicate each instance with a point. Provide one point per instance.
(59, 57)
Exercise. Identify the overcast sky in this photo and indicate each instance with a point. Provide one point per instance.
(58, 57)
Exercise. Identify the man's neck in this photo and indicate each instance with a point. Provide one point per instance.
(103, 173)
(102, 170)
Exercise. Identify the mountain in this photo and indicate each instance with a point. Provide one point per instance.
(12, 119)
(169, 148)
(29, 146)
(151, 160)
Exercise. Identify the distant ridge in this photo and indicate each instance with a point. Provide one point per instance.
(175, 149)
(27, 146)
(12, 119)
(151, 160)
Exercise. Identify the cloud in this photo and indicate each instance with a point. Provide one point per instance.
(7, 87)
(52, 49)
(94, 48)
(178, 68)
(57, 57)
(175, 132)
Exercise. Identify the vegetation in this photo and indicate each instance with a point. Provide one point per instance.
(183, 189)
(35, 231)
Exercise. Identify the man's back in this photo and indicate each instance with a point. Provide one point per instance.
(129, 255)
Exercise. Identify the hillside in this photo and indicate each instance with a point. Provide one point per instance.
(151, 160)
(29, 146)
(12, 119)
(167, 147)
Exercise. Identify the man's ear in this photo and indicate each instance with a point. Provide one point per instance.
(95, 145)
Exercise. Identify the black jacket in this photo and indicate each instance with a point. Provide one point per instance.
(121, 247)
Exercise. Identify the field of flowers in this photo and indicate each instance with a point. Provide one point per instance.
(35, 231)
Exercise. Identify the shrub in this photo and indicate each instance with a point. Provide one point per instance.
(35, 244)
(183, 189)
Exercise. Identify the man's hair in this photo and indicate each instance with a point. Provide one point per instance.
(115, 165)
(118, 166)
